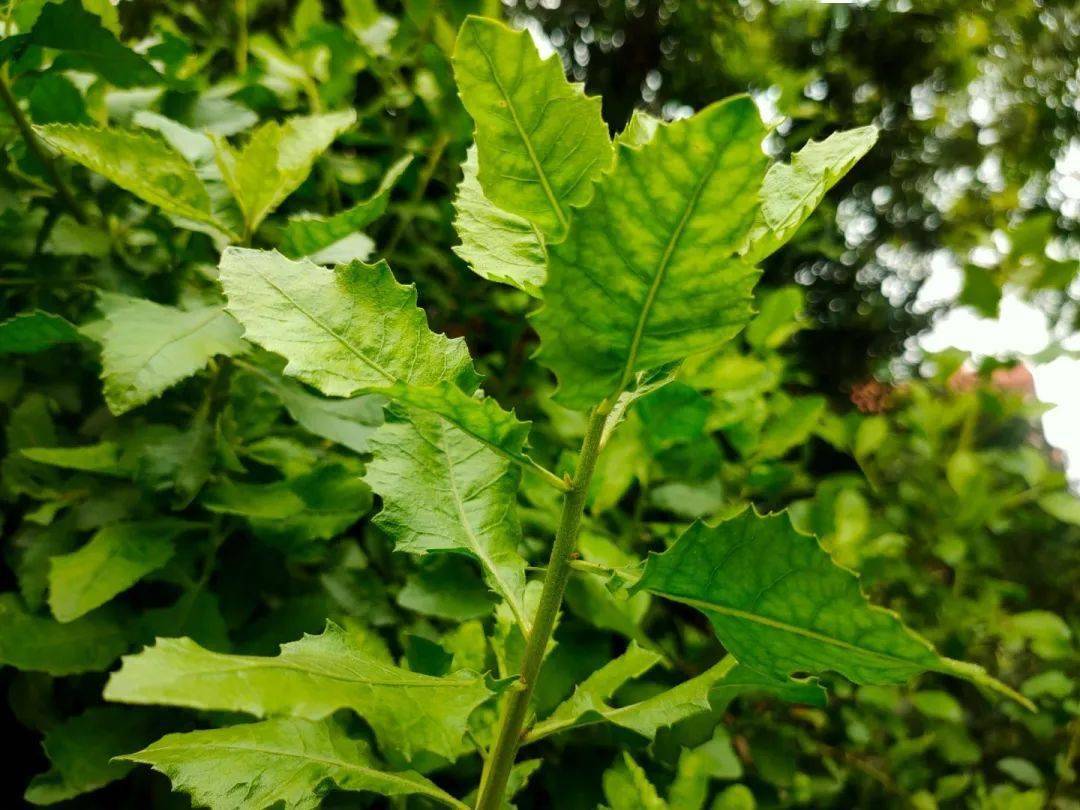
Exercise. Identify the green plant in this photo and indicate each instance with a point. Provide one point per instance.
(244, 482)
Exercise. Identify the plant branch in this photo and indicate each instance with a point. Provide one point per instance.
(516, 706)
(33, 143)
(422, 182)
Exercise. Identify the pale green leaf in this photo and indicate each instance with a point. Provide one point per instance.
(307, 234)
(342, 330)
(792, 191)
(81, 751)
(714, 759)
(1064, 505)
(113, 560)
(444, 491)
(780, 605)
(147, 348)
(30, 332)
(541, 142)
(40, 644)
(287, 762)
(648, 273)
(496, 245)
(139, 162)
(311, 678)
(276, 160)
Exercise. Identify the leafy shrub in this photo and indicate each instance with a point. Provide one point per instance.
(200, 513)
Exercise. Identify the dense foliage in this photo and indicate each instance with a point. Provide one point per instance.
(264, 533)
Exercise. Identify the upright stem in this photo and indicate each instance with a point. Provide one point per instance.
(516, 706)
(39, 151)
(241, 36)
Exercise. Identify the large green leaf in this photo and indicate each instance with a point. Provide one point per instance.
(139, 162)
(276, 159)
(342, 330)
(649, 272)
(81, 751)
(496, 245)
(780, 605)
(792, 191)
(444, 491)
(306, 234)
(114, 559)
(310, 678)
(541, 142)
(288, 763)
(40, 644)
(30, 332)
(147, 348)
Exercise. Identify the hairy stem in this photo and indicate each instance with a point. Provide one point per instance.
(516, 706)
(34, 144)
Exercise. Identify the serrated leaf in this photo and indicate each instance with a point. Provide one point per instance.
(496, 245)
(30, 332)
(342, 330)
(648, 273)
(147, 348)
(444, 491)
(81, 751)
(113, 560)
(627, 787)
(139, 162)
(306, 234)
(780, 605)
(592, 694)
(288, 762)
(541, 141)
(310, 678)
(276, 160)
(40, 644)
(792, 191)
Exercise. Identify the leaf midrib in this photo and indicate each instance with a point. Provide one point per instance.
(661, 274)
(363, 358)
(525, 139)
(428, 790)
(756, 618)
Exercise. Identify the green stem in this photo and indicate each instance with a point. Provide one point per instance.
(516, 706)
(39, 151)
(241, 36)
(422, 181)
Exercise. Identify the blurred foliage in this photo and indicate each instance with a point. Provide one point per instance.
(939, 491)
(976, 166)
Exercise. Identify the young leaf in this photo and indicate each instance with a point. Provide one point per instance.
(305, 235)
(287, 762)
(648, 274)
(147, 348)
(342, 330)
(310, 678)
(496, 245)
(114, 559)
(39, 644)
(792, 191)
(30, 332)
(541, 142)
(139, 162)
(442, 491)
(81, 751)
(780, 605)
(276, 160)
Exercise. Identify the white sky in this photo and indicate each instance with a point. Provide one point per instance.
(1020, 330)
